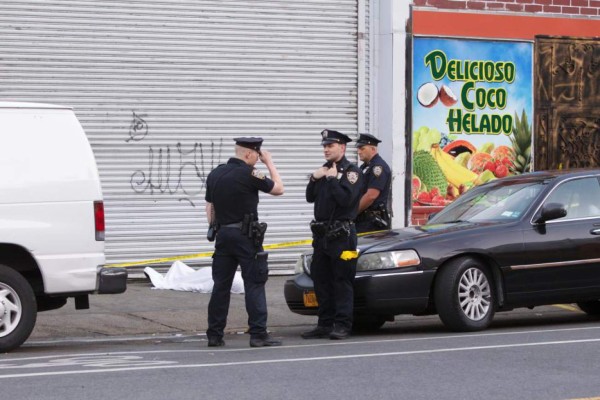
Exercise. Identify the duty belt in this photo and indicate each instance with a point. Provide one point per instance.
(331, 230)
(234, 225)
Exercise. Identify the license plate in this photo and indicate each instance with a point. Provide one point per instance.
(310, 299)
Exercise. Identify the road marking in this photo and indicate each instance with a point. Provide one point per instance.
(278, 348)
(301, 359)
(95, 361)
(567, 307)
(587, 398)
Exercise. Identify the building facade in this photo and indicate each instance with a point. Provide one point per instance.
(162, 88)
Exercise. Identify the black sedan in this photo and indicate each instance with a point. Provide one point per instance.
(521, 241)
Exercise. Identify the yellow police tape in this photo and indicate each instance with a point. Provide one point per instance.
(210, 253)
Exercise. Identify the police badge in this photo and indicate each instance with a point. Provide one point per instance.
(257, 174)
(352, 176)
(377, 170)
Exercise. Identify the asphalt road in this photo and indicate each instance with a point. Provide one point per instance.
(546, 353)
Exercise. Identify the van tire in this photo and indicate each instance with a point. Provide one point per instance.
(18, 309)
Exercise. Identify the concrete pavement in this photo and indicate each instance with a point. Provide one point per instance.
(146, 313)
(142, 310)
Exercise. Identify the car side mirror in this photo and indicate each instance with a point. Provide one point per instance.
(551, 211)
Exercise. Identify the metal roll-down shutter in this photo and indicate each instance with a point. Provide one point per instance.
(161, 88)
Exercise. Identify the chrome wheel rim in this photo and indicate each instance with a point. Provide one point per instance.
(474, 294)
(10, 309)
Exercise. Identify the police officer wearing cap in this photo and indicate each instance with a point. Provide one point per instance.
(231, 202)
(335, 190)
(373, 211)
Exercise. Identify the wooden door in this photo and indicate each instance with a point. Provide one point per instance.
(567, 103)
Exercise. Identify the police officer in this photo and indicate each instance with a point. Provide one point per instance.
(232, 199)
(335, 190)
(373, 211)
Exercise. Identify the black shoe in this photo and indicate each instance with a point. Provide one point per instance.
(320, 332)
(339, 333)
(263, 340)
(215, 341)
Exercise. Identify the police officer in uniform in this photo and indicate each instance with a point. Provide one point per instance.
(373, 211)
(231, 204)
(335, 189)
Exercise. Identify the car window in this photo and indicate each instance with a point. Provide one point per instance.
(580, 197)
(505, 202)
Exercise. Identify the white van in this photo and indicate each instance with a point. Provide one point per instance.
(51, 218)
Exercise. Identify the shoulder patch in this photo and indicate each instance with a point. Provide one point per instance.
(377, 170)
(257, 174)
(352, 177)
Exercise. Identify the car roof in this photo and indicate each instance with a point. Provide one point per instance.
(552, 174)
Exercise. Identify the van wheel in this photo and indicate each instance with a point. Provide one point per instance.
(464, 296)
(18, 309)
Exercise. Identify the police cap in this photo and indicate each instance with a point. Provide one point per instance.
(253, 143)
(366, 139)
(331, 136)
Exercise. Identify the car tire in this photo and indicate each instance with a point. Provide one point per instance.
(18, 309)
(590, 307)
(464, 295)
(367, 323)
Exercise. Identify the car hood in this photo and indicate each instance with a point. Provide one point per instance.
(409, 236)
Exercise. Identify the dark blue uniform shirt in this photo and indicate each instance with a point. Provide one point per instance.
(233, 189)
(377, 176)
(336, 199)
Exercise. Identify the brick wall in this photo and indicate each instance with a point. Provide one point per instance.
(420, 214)
(565, 7)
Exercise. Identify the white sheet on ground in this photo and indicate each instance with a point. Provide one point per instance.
(182, 277)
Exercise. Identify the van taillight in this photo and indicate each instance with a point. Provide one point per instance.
(99, 219)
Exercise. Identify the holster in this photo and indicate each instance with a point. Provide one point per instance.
(318, 228)
(379, 217)
(330, 231)
(211, 234)
(338, 229)
(257, 232)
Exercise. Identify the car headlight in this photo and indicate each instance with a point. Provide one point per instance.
(387, 260)
(303, 263)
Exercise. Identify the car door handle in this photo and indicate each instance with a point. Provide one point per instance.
(595, 231)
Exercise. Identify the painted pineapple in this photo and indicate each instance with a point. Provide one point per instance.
(521, 144)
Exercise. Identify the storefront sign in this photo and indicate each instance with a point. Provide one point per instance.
(472, 110)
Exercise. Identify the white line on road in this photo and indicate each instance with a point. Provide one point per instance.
(313, 344)
(302, 359)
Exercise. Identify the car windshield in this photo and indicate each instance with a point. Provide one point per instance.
(499, 201)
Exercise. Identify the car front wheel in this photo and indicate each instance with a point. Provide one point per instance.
(464, 296)
(18, 309)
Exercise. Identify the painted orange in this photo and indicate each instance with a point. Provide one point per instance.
(500, 26)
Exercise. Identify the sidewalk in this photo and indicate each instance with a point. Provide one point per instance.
(142, 310)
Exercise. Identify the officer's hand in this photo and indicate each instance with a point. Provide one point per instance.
(265, 157)
(332, 171)
(320, 172)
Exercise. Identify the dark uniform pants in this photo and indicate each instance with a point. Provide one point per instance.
(333, 279)
(233, 249)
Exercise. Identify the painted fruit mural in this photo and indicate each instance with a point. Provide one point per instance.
(471, 106)
(444, 166)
